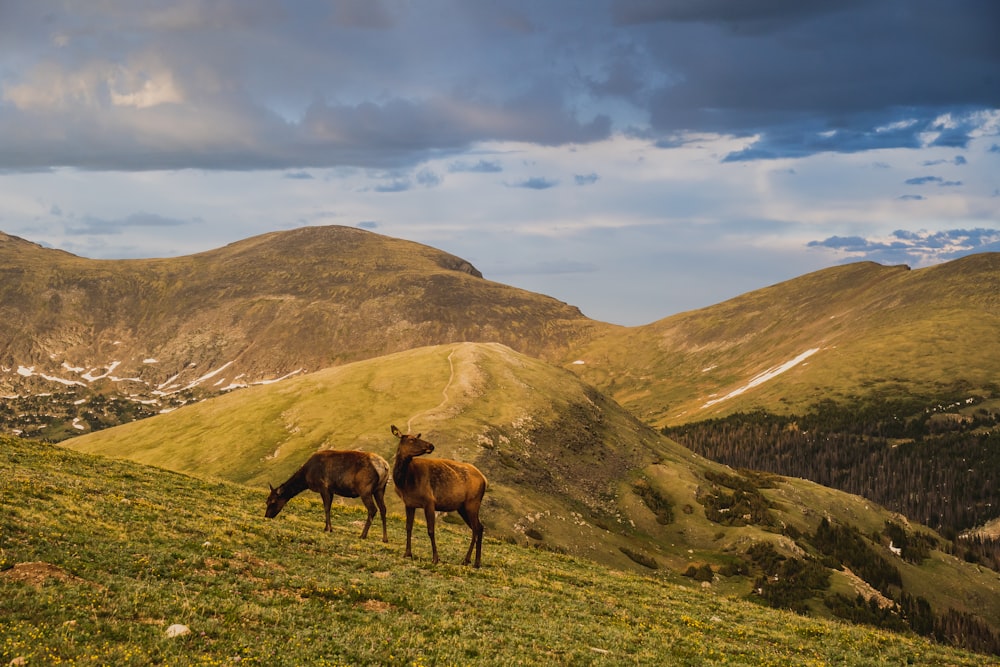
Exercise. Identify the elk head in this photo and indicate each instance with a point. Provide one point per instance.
(411, 445)
(274, 502)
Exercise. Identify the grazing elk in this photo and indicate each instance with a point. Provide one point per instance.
(437, 485)
(330, 472)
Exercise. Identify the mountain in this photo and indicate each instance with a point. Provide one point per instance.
(840, 334)
(122, 339)
(569, 470)
(163, 332)
(871, 379)
(887, 355)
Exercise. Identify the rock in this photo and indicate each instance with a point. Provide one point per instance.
(178, 630)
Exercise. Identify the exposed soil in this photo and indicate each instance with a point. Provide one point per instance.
(36, 573)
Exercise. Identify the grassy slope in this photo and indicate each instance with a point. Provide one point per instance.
(98, 557)
(561, 460)
(879, 330)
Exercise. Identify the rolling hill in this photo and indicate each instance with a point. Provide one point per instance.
(570, 471)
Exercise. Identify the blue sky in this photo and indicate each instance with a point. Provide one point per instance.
(635, 158)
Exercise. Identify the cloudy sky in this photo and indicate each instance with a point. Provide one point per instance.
(635, 158)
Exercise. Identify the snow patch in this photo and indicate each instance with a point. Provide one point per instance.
(769, 374)
(90, 377)
(208, 376)
(283, 377)
(29, 371)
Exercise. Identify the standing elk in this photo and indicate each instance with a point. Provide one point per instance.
(331, 472)
(437, 485)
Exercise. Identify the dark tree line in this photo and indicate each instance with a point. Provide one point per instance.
(981, 550)
(789, 583)
(944, 473)
(845, 545)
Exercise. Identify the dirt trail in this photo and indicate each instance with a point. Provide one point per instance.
(444, 394)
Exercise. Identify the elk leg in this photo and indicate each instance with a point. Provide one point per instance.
(327, 500)
(429, 517)
(370, 506)
(472, 520)
(380, 501)
(465, 517)
(410, 511)
(479, 541)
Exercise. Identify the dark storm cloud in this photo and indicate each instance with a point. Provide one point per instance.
(837, 76)
(261, 85)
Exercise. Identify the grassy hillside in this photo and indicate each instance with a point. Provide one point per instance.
(569, 471)
(859, 330)
(879, 380)
(559, 457)
(99, 557)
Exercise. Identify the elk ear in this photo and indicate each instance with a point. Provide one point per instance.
(270, 487)
(418, 435)
(395, 432)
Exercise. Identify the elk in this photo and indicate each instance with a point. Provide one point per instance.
(331, 472)
(437, 485)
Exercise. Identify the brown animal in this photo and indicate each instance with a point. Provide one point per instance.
(437, 485)
(330, 472)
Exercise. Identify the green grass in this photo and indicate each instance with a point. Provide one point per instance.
(562, 463)
(129, 550)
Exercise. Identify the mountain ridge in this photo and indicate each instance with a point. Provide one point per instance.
(871, 326)
(247, 313)
(253, 311)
